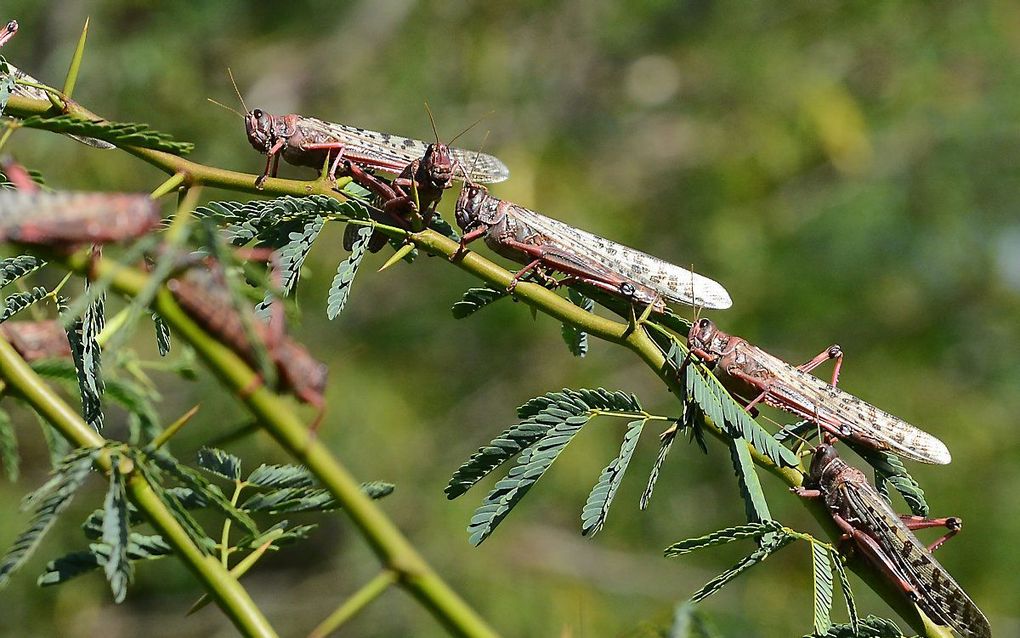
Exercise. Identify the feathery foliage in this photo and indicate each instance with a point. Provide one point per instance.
(162, 334)
(82, 335)
(822, 570)
(870, 627)
(118, 568)
(119, 133)
(575, 338)
(14, 268)
(18, 301)
(593, 516)
(291, 256)
(474, 299)
(340, 289)
(9, 447)
(47, 503)
(665, 445)
(549, 422)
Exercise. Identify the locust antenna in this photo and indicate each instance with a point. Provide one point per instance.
(222, 105)
(473, 124)
(236, 90)
(478, 153)
(432, 121)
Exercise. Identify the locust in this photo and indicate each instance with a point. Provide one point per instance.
(748, 369)
(543, 243)
(204, 296)
(308, 141)
(37, 340)
(886, 540)
(412, 197)
(66, 220)
(23, 86)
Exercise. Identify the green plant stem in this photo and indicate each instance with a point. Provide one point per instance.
(278, 419)
(532, 294)
(233, 599)
(358, 601)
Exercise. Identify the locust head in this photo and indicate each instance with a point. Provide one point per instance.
(260, 127)
(437, 166)
(824, 462)
(707, 340)
(470, 210)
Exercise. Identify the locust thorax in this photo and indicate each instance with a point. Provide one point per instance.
(259, 126)
(437, 166)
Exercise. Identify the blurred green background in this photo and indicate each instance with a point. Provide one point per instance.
(848, 170)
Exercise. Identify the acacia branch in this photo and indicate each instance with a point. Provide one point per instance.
(536, 296)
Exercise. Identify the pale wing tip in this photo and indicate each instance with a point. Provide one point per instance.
(710, 294)
(940, 453)
(497, 172)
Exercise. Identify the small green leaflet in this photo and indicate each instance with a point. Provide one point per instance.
(14, 268)
(9, 447)
(162, 334)
(666, 443)
(139, 547)
(307, 499)
(575, 338)
(291, 258)
(18, 301)
(593, 516)
(755, 507)
(822, 570)
(723, 536)
(220, 463)
(474, 299)
(844, 584)
(85, 350)
(340, 289)
(119, 133)
(6, 84)
(281, 476)
(119, 570)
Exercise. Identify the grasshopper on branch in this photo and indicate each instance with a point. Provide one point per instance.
(67, 220)
(409, 200)
(308, 141)
(204, 295)
(37, 340)
(750, 371)
(27, 86)
(886, 540)
(545, 244)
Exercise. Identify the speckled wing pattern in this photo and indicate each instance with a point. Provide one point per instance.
(38, 94)
(394, 152)
(812, 398)
(672, 282)
(938, 594)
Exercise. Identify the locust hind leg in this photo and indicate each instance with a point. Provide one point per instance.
(951, 523)
(832, 352)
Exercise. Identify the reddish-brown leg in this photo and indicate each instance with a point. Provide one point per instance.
(466, 239)
(522, 272)
(832, 352)
(951, 523)
(871, 549)
(271, 155)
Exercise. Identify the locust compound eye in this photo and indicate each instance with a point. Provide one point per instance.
(257, 113)
(627, 290)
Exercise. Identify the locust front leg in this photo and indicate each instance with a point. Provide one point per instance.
(272, 163)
